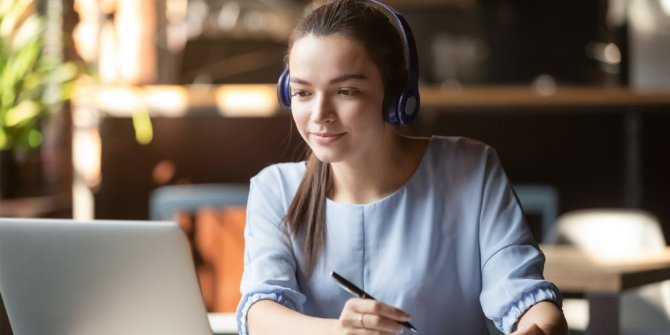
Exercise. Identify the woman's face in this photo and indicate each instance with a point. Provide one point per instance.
(336, 97)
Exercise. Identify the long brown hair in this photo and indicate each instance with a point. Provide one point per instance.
(364, 22)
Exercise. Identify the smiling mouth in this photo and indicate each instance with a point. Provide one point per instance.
(327, 138)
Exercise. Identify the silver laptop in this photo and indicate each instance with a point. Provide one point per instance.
(66, 277)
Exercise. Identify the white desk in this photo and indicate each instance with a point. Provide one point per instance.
(222, 323)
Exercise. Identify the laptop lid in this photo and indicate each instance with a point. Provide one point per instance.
(99, 277)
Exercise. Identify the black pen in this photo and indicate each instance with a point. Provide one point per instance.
(357, 292)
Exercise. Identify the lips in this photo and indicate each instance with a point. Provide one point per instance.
(326, 138)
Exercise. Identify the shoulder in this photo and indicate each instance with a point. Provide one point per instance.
(456, 145)
(283, 172)
(279, 181)
(460, 151)
(459, 161)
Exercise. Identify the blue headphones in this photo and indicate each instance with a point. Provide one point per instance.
(403, 106)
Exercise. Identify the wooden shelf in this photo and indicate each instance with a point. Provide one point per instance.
(175, 101)
(524, 96)
(35, 206)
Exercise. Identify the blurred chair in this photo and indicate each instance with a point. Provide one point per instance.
(540, 200)
(614, 233)
(167, 201)
(213, 217)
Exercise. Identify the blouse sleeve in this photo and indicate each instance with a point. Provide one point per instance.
(512, 264)
(269, 263)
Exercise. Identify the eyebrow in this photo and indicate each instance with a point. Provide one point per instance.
(339, 79)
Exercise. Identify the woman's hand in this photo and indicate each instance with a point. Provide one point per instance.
(530, 330)
(544, 318)
(366, 316)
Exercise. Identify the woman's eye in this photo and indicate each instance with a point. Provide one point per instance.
(347, 91)
(299, 93)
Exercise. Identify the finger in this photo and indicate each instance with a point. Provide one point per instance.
(380, 323)
(360, 323)
(375, 307)
(372, 315)
(350, 317)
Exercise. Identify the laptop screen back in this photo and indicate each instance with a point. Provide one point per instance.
(99, 277)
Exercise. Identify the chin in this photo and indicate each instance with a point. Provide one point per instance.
(326, 156)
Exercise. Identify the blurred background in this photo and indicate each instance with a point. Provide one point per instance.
(126, 96)
(573, 94)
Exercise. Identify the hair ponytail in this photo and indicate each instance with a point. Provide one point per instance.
(307, 212)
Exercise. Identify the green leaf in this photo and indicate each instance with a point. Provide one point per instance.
(25, 111)
(35, 138)
(65, 72)
(144, 133)
(4, 54)
(56, 89)
(17, 69)
(30, 82)
(30, 31)
(12, 17)
(4, 141)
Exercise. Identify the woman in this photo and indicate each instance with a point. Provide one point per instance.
(429, 226)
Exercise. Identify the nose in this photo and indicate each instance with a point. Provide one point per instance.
(323, 111)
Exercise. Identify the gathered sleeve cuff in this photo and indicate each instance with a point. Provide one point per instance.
(512, 312)
(287, 297)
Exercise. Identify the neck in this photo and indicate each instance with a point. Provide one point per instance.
(379, 174)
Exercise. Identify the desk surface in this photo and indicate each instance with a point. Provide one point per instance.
(222, 323)
(573, 270)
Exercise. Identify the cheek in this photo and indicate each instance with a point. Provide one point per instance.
(300, 118)
(366, 113)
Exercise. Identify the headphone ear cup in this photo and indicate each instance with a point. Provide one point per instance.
(407, 107)
(391, 114)
(284, 88)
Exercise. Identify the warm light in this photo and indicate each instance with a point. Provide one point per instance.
(108, 54)
(607, 53)
(164, 171)
(229, 15)
(86, 156)
(613, 234)
(83, 207)
(86, 153)
(612, 54)
(170, 100)
(665, 4)
(118, 99)
(122, 49)
(135, 25)
(246, 100)
(642, 17)
(544, 85)
(124, 101)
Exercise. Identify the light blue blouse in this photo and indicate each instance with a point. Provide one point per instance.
(450, 247)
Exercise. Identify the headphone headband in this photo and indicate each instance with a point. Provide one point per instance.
(403, 106)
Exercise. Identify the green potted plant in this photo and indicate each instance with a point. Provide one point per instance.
(32, 83)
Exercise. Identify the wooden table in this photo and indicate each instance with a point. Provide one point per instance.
(602, 280)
